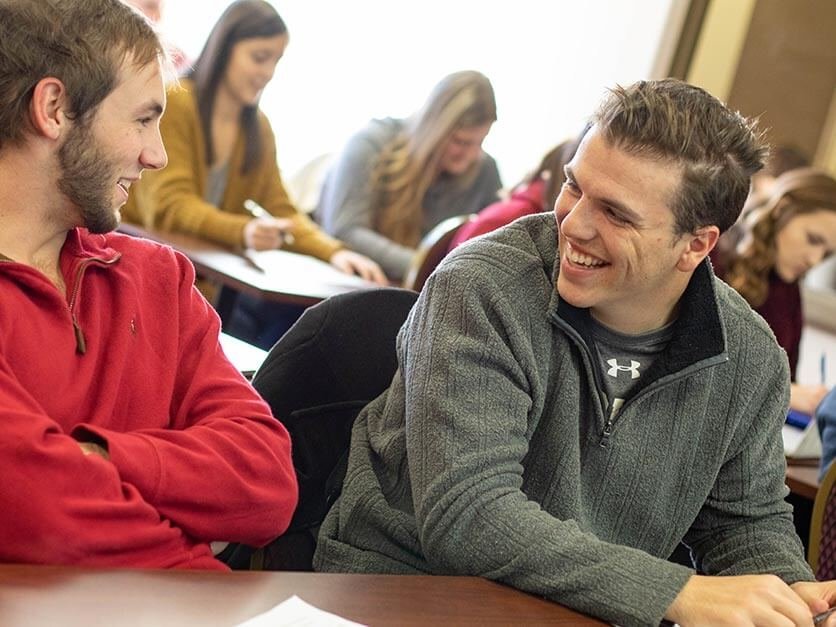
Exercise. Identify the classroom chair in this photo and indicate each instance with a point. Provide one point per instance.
(336, 358)
(431, 250)
(822, 552)
(305, 185)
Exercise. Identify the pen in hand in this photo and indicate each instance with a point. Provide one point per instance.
(251, 262)
(821, 617)
(257, 211)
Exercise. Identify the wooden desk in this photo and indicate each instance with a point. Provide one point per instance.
(290, 278)
(803, 480)
(37, 596)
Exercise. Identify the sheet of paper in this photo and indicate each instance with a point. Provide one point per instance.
(297, 613)
(304, 269)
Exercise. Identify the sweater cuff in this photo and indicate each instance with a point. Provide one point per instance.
(322, 247)
(134, 456)
(225, 228)
(653, 596)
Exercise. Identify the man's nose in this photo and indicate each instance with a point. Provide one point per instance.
(578, 222)
(154, 156)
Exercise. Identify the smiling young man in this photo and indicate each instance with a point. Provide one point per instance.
(577, 394)
(126, 437)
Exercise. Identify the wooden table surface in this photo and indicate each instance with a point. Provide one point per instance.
(803, 480)
(35, 596)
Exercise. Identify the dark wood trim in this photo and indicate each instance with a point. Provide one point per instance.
(691, 28)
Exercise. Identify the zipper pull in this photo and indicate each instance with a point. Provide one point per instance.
(80, 342)
(605, 436)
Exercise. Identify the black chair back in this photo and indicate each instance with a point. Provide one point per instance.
(336, 358)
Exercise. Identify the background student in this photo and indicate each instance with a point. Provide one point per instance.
(397, 178)
(222, 150)
(534, 194)
(777, 240)
(222, 153)
(153, 10)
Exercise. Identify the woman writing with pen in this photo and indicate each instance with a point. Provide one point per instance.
(222, 181)
(764, 256)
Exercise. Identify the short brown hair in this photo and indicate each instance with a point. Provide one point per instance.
(83, 43)
(717, 148)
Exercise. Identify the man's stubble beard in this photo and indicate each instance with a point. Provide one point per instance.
(87, 179)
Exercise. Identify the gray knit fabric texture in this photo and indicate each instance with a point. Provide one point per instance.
(486, 455)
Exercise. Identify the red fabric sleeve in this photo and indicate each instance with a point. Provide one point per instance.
(64, 507)
(223, 470)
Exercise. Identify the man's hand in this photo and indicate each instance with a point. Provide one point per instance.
(267, 233)
(805, 398)
(90, 448)
(354, 263)
(819, 596)
(745, 600)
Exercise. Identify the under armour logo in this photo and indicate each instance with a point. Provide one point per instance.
(633, 368)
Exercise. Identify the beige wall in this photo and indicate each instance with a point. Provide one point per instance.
(719, 45)
(775, 60)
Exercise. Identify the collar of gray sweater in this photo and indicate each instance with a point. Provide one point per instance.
(699, 337)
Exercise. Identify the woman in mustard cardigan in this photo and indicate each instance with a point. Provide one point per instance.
(222, 152)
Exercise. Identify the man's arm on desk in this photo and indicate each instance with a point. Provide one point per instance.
(745, 529)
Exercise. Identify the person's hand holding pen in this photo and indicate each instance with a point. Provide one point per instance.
(752, 600)
(264, 232)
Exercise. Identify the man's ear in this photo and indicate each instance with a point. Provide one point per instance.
(48, 108)
(699, 244)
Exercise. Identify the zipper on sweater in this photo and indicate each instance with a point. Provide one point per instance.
(604, 442)
(592, 373)
(80, 341)
(603, 406)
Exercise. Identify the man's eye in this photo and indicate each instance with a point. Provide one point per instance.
(571, 186)
(615, 216)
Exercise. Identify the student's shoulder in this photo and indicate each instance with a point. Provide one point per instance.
(143, 255)
(515, 255)
(489, 163)
(377, 132)
(745, 329)
(180, 96)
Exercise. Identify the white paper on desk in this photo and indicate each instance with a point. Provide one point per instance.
(304, 269)
(801, 443)
(297, 613)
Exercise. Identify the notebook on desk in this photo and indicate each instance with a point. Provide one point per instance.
(801, 436)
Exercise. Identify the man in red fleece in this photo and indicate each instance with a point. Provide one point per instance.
(126, 437)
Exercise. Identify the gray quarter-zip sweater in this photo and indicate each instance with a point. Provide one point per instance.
(490, 453)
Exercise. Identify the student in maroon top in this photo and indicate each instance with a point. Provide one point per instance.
(777, 239)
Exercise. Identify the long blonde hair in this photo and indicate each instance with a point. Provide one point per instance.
(748, 250)
(408, 164)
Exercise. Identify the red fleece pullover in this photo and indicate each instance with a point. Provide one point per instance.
(129, 356)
